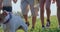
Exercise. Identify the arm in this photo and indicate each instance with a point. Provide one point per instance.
(1, 1)
(14, 1)
(1, 4)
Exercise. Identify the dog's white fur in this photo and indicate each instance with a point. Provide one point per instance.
(14, 23)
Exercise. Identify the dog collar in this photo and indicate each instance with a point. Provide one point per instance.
(8, 19)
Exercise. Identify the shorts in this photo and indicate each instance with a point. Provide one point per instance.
(24, 4)
(8, 8)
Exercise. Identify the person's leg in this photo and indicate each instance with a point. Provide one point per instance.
(34, 16)
(24, 7)
(26, 16)
(33, 21)
(48, 2)
(58, 11)
(42, 2)
(31, 2)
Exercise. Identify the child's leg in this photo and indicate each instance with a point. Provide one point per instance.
(31, 2)
(42, 2)
(48, 11)
(58, 11)
(24, 7)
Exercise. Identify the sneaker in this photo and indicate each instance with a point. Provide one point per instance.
(27, 23)
(48, 24)
(43, 26)
(32, 28)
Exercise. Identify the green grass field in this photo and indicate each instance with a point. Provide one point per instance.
(38, 28)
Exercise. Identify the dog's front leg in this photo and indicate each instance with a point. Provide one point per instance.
(9, 30)
(6, 27)
(6, 30)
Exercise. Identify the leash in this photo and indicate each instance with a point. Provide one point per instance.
(10, 16)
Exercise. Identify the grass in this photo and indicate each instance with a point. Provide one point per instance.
(38, 28)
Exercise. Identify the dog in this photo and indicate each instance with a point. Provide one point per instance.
(11, 22)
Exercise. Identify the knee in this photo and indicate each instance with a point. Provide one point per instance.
(41, 9)
(47, 7)
(58, 10)
(58, 6)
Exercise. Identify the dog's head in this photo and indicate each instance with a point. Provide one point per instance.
(3, 14)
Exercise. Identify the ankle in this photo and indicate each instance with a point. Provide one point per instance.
(32, 27)
(59, 25)
(42, 25)
(48, 20)
(27, 23)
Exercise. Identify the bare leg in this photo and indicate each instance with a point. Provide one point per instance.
(24, 7)
(33, 15)
(58, 11)
(26, 15)
(33, 21)
(42, 2)
(48, 11)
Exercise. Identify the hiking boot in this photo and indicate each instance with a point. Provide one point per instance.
(43, 26)
(48, 24)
